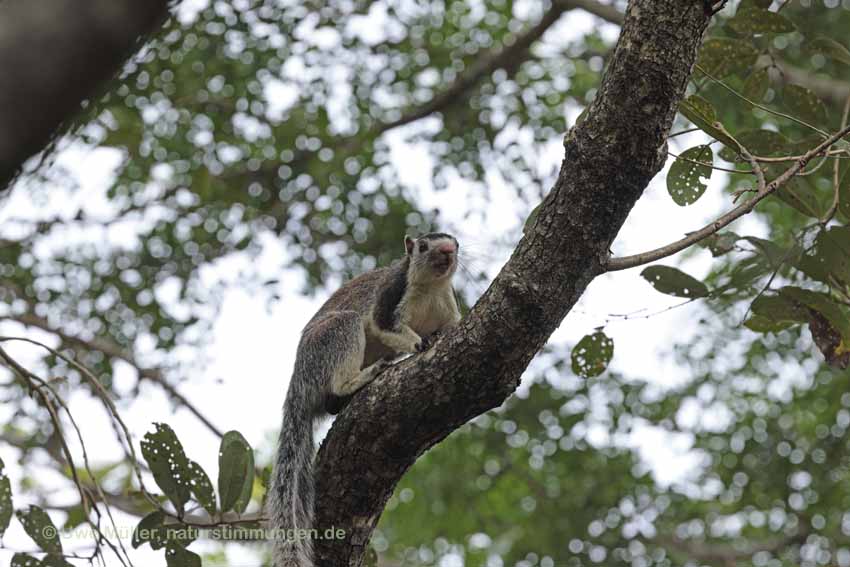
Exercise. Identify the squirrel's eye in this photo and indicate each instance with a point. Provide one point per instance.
(423, 246)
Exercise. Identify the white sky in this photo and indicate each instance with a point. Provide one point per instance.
(252, 346)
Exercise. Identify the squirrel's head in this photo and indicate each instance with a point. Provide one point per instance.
(433, 256)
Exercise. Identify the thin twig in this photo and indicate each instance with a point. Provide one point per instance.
(836, 167)
(38, 385)
(114, 350)
(129, 448)
(626, 262)
(711, 165)
(761, 106)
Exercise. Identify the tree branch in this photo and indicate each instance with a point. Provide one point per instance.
(692, 238)
(54, 55)
(609, 159)
(605, 11)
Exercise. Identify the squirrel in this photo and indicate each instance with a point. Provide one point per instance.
(353, 337)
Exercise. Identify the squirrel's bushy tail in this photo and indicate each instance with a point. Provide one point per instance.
(290, 499)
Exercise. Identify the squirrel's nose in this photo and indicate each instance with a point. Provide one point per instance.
(447, 248)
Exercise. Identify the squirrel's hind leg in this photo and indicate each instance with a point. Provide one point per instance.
(350, 339)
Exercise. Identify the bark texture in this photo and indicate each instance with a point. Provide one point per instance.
(53, 55)
(610, 158)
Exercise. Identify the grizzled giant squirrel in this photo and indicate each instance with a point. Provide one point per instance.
(351, 339)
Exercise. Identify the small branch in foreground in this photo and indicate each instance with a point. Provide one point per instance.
(116, 351)
(41, 388)
(626, 262)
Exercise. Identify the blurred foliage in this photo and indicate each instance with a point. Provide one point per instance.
(244, 123)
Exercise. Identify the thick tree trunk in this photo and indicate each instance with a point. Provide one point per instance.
(53, 55)
(609, 160)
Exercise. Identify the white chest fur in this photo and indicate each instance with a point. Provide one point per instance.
(427, 312)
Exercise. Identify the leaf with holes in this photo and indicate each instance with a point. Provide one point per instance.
(590, 357)
(40, 528)
(24, 560)
(722, 57)
(756, 85)
(702, 114)
(6, 509)
(202, 487)
(804, 104)
(672, 281)
(168, 463)
(53, 560)
(751, 20)
(235, 471)
(150, 530)
(831, 49)
(177, 556)
(688, 177)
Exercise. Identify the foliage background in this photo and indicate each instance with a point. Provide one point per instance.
(252, 153)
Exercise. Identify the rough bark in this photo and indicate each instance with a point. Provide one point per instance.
(609, 159)
(53, 55)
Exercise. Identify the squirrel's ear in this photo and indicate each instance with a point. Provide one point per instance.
(408, 244)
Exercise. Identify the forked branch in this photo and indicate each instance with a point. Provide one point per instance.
(692, 238)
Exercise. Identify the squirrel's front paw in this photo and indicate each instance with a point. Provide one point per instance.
(427, 342)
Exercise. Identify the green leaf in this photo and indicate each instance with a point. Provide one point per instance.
(828, 323)
(804, 104)
(751, 20)
(761, 324)
(778, 308)
(799, 196)
(828, 260)
(40, 528)
(685, 178)
(764, 143)
(830, 48)
(590, 357)
(168, 463)
(722, 57)
(177, 556)
(6, 509)
(53, 560)
(776, 255)
(149, 530)
(672, 281)
(756, 85)
(235, 471)
(24, 560)
(720, 243)
(702, 114)
(202, 487)
(824, 305)
(247, 486)
(844, 195)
